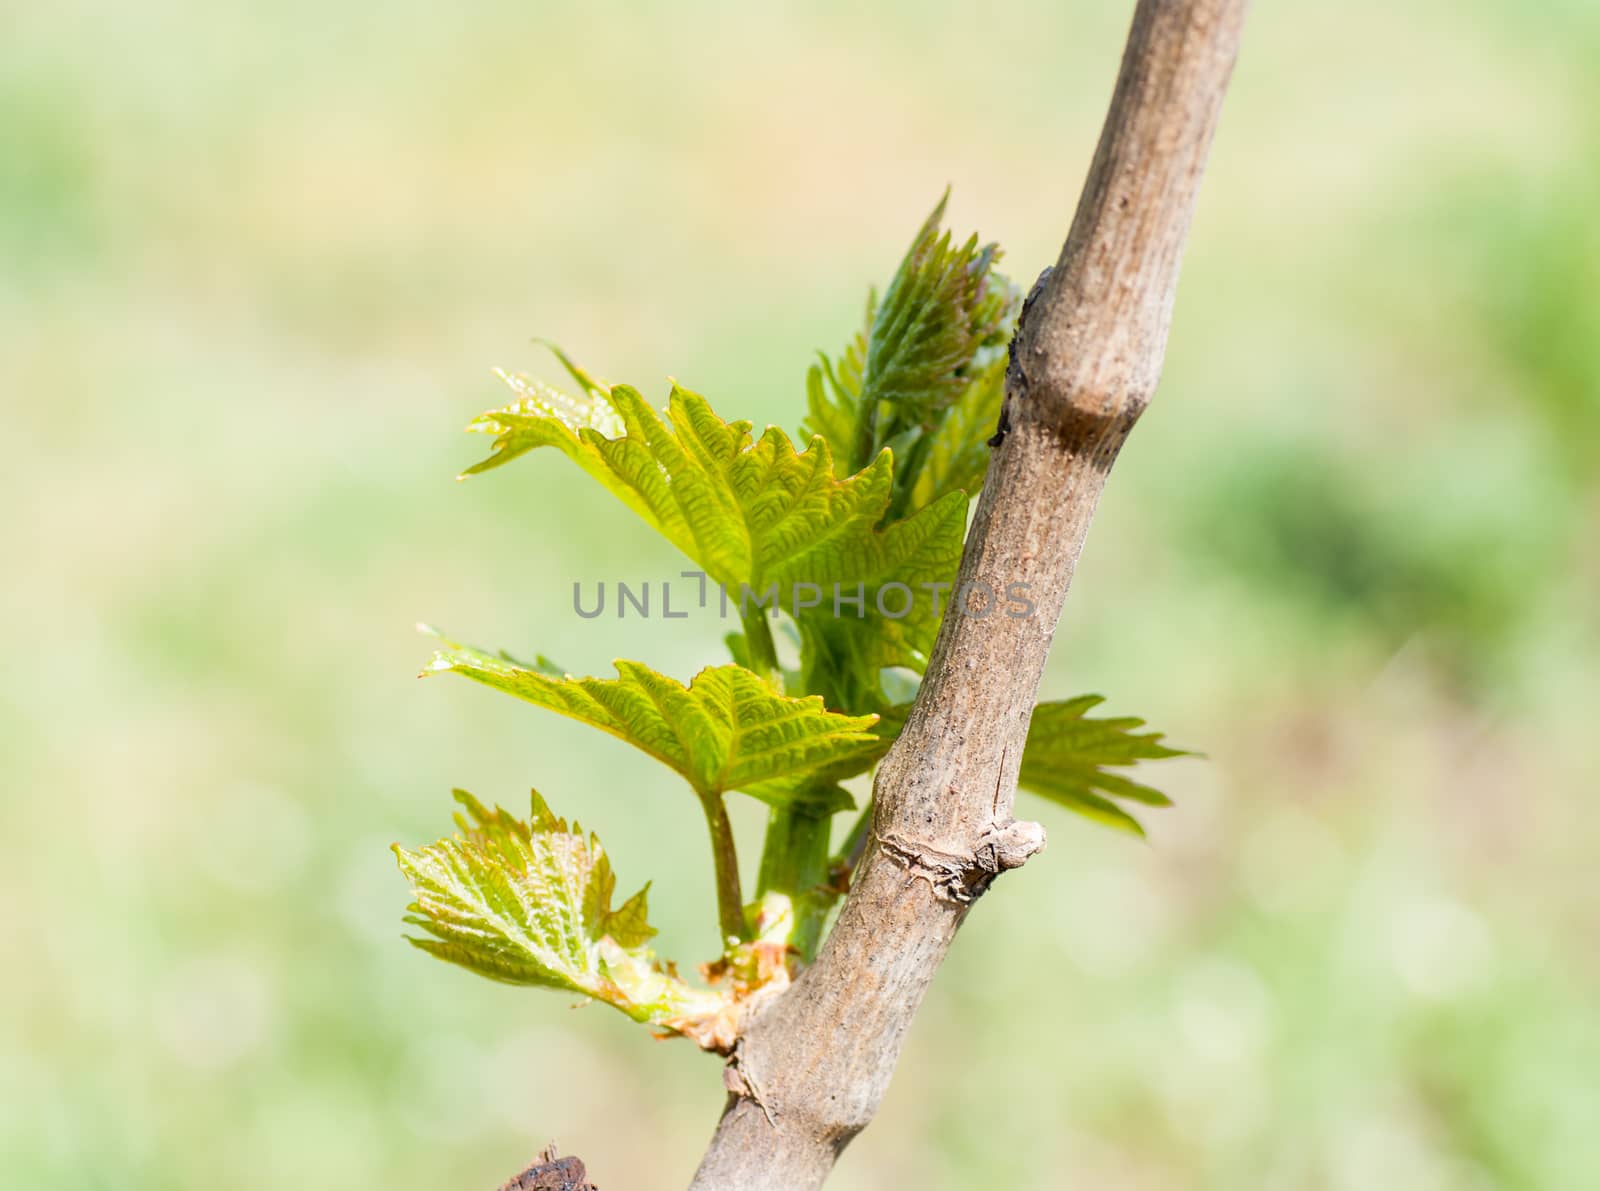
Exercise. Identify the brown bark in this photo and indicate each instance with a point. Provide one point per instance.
(813, 1067)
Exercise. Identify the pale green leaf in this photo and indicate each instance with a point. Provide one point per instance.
(957, 452)
(929, 348)
(529, 902)
(764, 521)
(833, 394)
(1068, 754)
(753, 514)
(727, 730)
(890, 615)
(941, 307)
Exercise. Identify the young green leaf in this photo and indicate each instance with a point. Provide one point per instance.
(957, 452)
(530, 903)
(727, 730)
(890, 616)
(943, 320)
(768, 523)
(833, 394)
(940, 308)
(1067, 753)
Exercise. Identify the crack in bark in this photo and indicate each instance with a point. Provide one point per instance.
(963, 879)
(736, 1077)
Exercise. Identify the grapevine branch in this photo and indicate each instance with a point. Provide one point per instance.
(1085, 362)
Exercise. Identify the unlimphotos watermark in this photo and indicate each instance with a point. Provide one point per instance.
(894, 600)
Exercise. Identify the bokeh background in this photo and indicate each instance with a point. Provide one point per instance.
(256, 262)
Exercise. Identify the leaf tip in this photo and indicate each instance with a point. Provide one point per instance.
(440, 663)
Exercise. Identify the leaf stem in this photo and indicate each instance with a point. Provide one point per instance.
(794, 862)
(763, 650)
(905, 476)
(730, 897)
(866, 428)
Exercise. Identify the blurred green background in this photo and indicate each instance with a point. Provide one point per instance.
(255, 265)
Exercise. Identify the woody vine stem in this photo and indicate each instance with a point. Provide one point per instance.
(936, 398)
(813, 1066)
